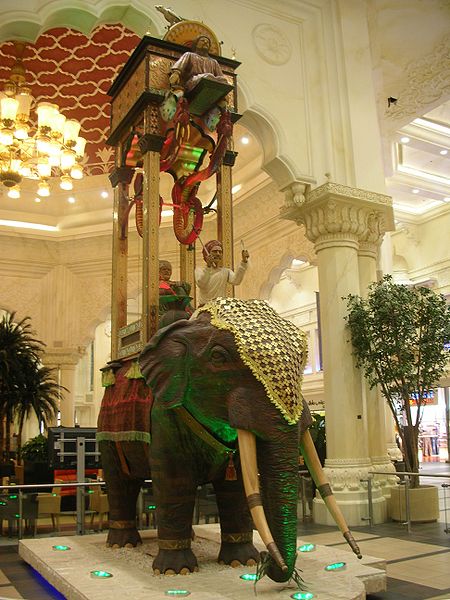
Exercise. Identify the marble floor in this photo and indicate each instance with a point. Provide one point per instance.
(418, 563)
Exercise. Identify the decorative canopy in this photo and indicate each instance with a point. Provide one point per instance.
(274, 349)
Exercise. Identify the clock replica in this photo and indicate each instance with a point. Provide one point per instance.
(172, 110)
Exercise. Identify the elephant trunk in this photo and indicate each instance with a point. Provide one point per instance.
(275, 511)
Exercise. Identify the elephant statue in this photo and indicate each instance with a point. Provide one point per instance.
(227, 409)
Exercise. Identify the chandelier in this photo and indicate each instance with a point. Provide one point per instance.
(53, 149)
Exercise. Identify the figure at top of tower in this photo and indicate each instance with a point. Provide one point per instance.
(194, 66)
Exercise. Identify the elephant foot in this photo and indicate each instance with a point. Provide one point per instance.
(119, 538)
(175, 562)
(238, 554)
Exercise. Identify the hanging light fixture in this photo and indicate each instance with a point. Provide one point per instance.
(55, 148)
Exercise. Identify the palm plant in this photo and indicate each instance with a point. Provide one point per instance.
(25, 385)
(400, 338)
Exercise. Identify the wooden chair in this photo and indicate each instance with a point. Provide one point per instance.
(98, 503)
(49, 504)
(10, 511)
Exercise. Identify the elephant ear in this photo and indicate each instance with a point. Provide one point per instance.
(274, 349)
(164, 363)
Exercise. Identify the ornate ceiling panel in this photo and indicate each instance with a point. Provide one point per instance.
(74, 71)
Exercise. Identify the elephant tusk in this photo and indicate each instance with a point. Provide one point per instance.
(313, 463)
(247, 451)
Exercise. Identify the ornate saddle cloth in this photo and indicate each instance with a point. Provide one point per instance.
(125, 410)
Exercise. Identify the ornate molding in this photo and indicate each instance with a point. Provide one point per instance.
(294, 194)
(271, 44)
(347, 192)
(338, 214)
(347, 474)
(427, 80)
(62, 357)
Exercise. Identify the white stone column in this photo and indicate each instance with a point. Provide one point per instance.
(64, 361)
(336, 218)
(373, 399)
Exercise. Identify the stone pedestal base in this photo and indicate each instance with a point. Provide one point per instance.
(423, 504)
(355, 510)
(132, 577)
(349, 481)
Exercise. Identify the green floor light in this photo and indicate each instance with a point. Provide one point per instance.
(335, 566)
(249, 577)
(178, 593)
(101, 574)
(302, 596)
(307, 548)
(61, 547)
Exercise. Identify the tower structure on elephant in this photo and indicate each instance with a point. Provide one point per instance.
(172, 111)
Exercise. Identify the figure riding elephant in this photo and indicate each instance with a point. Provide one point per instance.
(228, 409)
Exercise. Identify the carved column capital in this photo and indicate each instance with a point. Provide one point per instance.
(334, 214)
(62, 357)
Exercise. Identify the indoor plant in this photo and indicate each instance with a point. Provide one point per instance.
(399, 335)
(26, 386)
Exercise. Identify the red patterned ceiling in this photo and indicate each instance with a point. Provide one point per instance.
(75, 72)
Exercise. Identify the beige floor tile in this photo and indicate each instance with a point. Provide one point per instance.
(3, 579)
(416, 571)
(9, 592)
(393, 549)
(332, 537)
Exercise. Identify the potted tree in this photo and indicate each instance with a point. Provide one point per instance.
(399, 335)
(26, 386)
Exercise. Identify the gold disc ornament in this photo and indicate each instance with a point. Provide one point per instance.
(185, 32)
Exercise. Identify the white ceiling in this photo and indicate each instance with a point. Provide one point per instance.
(417, 172)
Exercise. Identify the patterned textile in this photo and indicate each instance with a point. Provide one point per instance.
(274, 349)
(125, 411)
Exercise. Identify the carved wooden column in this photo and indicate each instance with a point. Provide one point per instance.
(225, 211)
(336, 218)
(120, 179)
(150, 145)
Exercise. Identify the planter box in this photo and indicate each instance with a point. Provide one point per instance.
(423, 502)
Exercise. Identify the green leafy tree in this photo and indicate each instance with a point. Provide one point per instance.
(400, 338)
(26, 386)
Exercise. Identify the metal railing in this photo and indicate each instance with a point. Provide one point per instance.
(19, 492)
(406, 483)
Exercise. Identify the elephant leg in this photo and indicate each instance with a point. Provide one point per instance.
(123, 490)
(174, 512)
(236, 524)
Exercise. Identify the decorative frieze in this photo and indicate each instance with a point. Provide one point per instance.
(347, 475)
(337, 214)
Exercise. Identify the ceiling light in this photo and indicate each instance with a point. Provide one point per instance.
(405, 139)
(415, 191)
(43, 188)
(71, 200)
(423, 175)
(66, 183)
(26, 225)
(236, 188)
(104, 194)
(14, 192)
(51, 149)
(37, 199)
(432, 125)
(245, 140)
(447, 199)
(443, 152)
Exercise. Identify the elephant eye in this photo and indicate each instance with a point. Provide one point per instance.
(219, 356)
